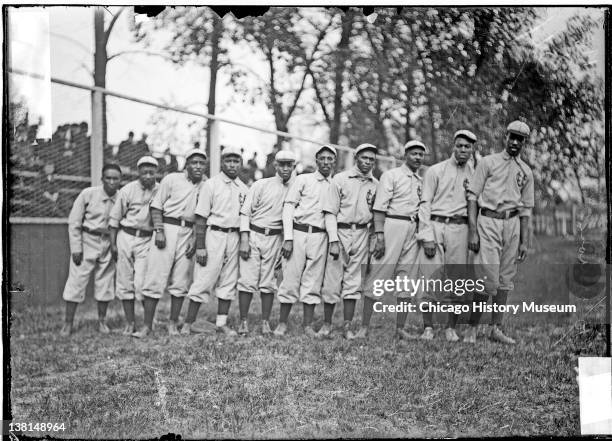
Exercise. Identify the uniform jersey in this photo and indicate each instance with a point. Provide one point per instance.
(444, 193)
(398, 192)
(177, 196)
(220, 200)
(132, 207)
(90, 210)
(503, 182)
(263, 206)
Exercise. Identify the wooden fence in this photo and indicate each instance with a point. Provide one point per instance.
(568, 220)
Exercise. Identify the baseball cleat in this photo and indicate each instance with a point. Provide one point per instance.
(226, 330)
(427, 334)
(142, 333)
(129, 329)
(66, 330)
(265, 327)
(470, 335)
(172, 329)
(280, 330)
(402, 334)
(310, 332)
(498, 335)
(362, 333)
(325, 331)
(186, 329)
(243, 329)
(103, 328)
(451, 335)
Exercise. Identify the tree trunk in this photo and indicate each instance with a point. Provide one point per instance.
(100, 60)
(341, 57)
(279, 117)
(432, 132)
(214, 68)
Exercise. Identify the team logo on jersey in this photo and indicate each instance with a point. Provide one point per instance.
(466, 184)
(241, 198)
(370, 199)
(419, 192)
(521, 178)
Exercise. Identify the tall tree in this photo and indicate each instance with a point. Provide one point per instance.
(192, 34)
(281, 35)
(102, 34)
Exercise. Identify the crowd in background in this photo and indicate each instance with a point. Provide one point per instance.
(47, 175)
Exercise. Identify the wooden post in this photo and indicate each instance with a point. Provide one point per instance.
(96, 153)
(215, 148)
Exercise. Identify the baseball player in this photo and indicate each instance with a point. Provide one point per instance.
(305, 246)
(443, 224)
(170, 265)
(130, 231)
(348, 212)
(217, 240)
(395, 223)
(261, 240)
(90, 248)
(503, 188)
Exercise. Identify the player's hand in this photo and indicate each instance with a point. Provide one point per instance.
(334, 250)
(114, 252)
(379, 248)
(473, 241)
(77, 258)
(201, 256)
(191, 249)
(430, 248)
(160, 240)
(245, 250)
(522, 252)
(287, 249)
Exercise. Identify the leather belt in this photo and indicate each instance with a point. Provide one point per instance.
(507, 214)
(225, 230)
(406, 218)
(348, 226)
(95, 233)
(175, 221)
(266, 231)
(136, 232)
(450, 220)
(308, 228)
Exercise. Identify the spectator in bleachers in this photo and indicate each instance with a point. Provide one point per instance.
(49, 189)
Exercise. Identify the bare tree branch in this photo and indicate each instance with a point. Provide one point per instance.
(142, 52)
(319, 97)
(111, 25)
(308, 64)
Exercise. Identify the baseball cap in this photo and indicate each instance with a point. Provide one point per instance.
(466, 134)
(231, 150)
(192, 152)
(366, 146)
(150, 160)
(285, 155)
(331, 148)
(519, 128)
(415, 144)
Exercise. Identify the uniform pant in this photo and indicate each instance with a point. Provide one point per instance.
(257, 272)
(400, 258)
(449, 263)
(132, 253)
(495, 262)
(169, 268)
(220, 275)
(343, 276)
(97, 259)
(303, 272)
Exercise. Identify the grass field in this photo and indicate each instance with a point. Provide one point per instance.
(206, 386)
